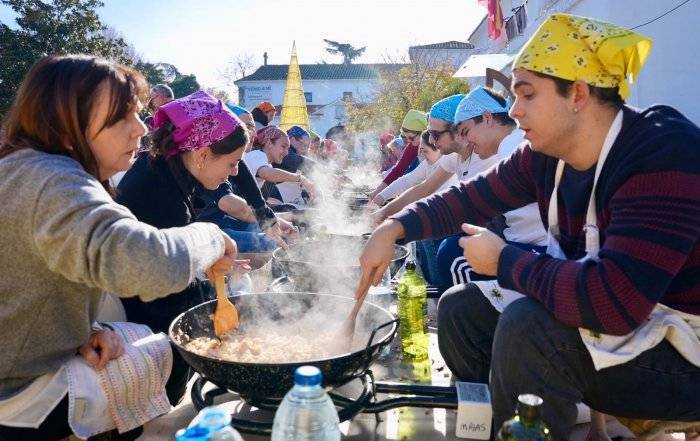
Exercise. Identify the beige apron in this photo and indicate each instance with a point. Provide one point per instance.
(682, 330)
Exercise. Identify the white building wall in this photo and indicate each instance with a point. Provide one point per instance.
(327, 93)
(669, 75)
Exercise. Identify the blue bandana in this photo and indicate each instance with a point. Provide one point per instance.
(297, 132)
(446, 107)
(398, 142)
(476, 103)
(236, 109)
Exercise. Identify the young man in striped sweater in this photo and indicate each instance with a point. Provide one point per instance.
(612, 311)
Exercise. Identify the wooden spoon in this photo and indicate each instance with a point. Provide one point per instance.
(226, 314)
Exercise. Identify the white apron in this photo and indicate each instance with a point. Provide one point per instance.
(682, 330)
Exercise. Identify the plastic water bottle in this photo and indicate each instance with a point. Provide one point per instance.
(306, 412)
(413, 298)
(527, 424)
(213, 424)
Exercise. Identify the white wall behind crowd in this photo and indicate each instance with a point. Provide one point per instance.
(326, 87)
(669, 75)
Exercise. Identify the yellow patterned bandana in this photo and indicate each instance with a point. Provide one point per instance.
(579, 48)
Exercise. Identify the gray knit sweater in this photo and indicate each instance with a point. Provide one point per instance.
(64, 242)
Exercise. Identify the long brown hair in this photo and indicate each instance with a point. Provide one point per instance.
(56, 100)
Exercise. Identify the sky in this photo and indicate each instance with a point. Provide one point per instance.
(200, 37)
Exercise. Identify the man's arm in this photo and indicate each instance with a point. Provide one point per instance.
(409, 154)
(420, 191)
(508, 186)
(654, 226)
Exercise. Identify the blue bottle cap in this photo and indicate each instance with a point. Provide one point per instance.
(214, 418)
(307, 376)
(195, 433)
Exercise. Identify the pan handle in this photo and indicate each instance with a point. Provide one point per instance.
(368, 348)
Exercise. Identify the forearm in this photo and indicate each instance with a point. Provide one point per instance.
(237, 208)
(277, 175)
(407, 156)
(407, 197)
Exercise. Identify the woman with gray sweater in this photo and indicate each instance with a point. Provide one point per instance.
(74, 123)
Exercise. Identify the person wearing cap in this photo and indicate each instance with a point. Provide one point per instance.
(412, 126)
(457, 159)
(391, 154)
(270, 147)
(299, 140)
(388, 155)
(611, 312)
(263, 114)
(482, 122)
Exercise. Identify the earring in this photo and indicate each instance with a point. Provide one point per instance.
(575, 109)
(200, 165)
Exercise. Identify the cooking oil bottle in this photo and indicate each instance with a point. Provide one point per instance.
(412, 294)
(527, 423)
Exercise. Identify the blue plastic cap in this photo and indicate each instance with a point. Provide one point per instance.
(214, 418)
(195, 433)
(307, 376)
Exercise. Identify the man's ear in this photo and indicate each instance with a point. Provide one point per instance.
(580, 95)
(488, 117)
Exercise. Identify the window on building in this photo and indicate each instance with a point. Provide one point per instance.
(308, 97)
(347, 96)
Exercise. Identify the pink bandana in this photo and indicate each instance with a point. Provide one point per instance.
(200, 120)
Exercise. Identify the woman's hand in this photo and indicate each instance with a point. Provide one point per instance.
(101, 347)
(224, 264)
(377, 255)
(288, 229)
(274, 233)
(482, 249)
(307, 185)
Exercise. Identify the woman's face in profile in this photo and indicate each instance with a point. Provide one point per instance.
(114, 147)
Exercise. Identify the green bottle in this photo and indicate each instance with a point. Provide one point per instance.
(412, 294)
(527, 423)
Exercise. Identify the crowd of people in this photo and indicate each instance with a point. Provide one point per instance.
(559, 225)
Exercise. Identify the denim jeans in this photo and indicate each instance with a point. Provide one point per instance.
(249, 237)
(527, 350)
(426, 253)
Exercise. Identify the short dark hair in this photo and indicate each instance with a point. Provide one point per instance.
(607, 96)
(502, 117)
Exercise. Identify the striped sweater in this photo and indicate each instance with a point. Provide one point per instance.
(648, 204)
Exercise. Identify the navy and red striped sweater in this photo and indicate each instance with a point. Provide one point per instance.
(648, 203)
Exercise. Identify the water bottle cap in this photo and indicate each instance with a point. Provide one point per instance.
(307, 376)
(410, 265)
(214, 417)
(195, 433)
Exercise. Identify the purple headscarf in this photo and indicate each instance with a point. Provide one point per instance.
(200, 120)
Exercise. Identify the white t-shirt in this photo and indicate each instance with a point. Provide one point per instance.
(524, 224)
(415, 177)
(468, 168)
(255, 159)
